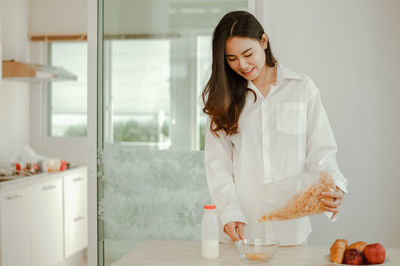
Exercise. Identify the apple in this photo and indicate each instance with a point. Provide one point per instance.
(353, 257)
(374, 253)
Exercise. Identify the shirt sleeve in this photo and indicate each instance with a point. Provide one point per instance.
(321, 144)
(219, 171)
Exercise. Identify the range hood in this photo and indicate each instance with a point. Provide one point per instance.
(28, 72)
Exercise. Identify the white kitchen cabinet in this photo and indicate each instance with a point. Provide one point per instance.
(75, 192)
(47, 223)
(43, 218)
(16, 227)
(76, 228)
(75, 212)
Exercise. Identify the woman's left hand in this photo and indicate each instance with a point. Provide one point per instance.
(333, 204)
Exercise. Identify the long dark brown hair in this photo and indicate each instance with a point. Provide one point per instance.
(225, 93)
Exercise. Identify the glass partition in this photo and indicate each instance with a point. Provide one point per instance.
(156, 60)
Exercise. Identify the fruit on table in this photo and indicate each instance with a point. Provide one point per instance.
(374, 253)
(360, 245)
(357, 253)
(353, 257)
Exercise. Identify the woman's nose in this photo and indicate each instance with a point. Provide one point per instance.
(242, 64)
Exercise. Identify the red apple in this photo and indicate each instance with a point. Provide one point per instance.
(374, 253)
(353, 257)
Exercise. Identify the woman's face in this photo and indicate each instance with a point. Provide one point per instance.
(246, 56)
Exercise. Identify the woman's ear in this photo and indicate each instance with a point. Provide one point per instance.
(264, 41)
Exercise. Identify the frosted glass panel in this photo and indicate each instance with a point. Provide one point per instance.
(151, 194)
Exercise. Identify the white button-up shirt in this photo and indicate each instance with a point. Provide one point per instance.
(280, 136)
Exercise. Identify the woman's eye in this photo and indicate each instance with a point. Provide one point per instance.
(249, 55)
(231, 60)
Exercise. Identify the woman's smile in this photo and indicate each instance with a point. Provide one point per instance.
(248, 72)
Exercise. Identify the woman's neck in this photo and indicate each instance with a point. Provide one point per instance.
(266, 78)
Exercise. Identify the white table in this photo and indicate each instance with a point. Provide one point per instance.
(187, 253)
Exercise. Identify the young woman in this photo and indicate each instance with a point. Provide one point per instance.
(265, 123)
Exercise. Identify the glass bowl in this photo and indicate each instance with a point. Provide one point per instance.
(256, 250)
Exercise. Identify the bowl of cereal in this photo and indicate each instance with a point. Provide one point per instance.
(256, 250)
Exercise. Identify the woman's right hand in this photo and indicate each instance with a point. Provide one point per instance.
(234, 230)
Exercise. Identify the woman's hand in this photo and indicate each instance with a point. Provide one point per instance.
(234, 230)
(333, 204)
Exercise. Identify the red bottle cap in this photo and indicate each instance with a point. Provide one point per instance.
(209, 207)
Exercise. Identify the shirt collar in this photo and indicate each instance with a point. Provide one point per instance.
(282, 73)
(250, 85)
(285, 73)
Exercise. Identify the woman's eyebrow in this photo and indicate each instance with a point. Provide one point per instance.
(245, 51)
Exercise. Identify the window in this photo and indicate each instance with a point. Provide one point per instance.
(148, 91)
(67, 100)
(138, 82)
(137, 78)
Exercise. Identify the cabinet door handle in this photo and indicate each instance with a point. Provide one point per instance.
(78, 218)
(14, 197)
(48, 187)
(77, 179)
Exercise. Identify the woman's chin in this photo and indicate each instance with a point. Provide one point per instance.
(248, 77)
(251, 76)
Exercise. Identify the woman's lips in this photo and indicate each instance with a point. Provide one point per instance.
(248, 73)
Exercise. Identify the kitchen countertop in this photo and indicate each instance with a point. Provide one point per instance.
(187, 253)
(22, 181)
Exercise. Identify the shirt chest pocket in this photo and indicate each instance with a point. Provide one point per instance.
(291, 118)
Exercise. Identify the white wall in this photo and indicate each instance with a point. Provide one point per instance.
(58, 17)
(14, 16)
(350, 49)
(14, 96)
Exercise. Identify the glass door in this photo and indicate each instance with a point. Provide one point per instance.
(156, 58)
